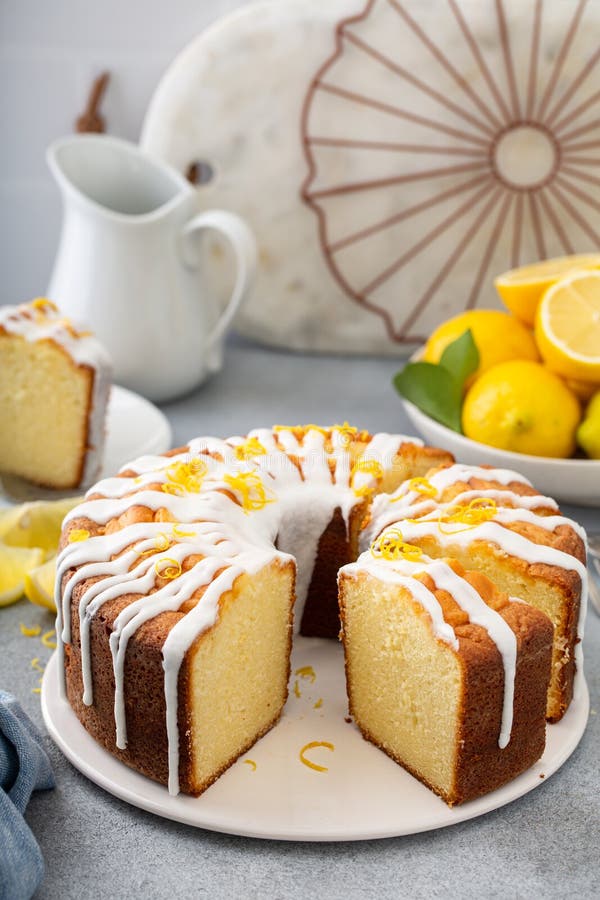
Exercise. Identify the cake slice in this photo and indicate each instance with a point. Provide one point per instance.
(444, 673)
(494, 521)
(54, 387)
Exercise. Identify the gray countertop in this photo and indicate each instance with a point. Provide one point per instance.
(543, 845)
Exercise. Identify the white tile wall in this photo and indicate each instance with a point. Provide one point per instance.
(50, 52)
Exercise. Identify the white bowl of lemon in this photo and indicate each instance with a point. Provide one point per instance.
(529, 399)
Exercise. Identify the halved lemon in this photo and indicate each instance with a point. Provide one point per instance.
(15, 562)
(36, 524)
(567, 326)
(521, 289)
(39, 584)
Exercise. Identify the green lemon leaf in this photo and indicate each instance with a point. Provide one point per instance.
(434, 390)
(461, 357)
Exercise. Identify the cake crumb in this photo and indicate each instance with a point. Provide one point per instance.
(348, 719)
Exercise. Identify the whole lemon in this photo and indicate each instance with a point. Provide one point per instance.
(588, 433)
(498, 336)
(521, 406)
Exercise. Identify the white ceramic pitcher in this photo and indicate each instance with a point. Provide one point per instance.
(128, 264)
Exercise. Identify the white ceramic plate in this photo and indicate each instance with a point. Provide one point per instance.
(571, 480)
(363, 794)
(134, 427)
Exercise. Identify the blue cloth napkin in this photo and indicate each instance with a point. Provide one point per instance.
(24, 768)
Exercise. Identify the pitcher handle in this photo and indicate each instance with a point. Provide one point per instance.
(244, 249)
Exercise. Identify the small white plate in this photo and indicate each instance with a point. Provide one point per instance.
(134, 427)
(363, 794)
(571, 480)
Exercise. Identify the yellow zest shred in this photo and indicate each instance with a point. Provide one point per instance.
(251, 489)
(251, 447)
(162, 542)
(78, 534)
(297, 689)
(35, 664)
(185, 478)
(472, 514)
(422, 486)
(391, 545)
(177, 531)
(48, 639)
(30, 632)
(318, 704)
(306, 672)
(368, 467)
(167, 567)
(36, 690)
(42, 304)
(311, 746)
(251, 763)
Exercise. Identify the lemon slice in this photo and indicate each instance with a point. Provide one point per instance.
(39, 584)
(36, 524)
(567, 326)
(521, 289)
(15, 562)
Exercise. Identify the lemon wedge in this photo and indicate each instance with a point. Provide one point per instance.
(521, 289)
(15, 562)
(567, 326)
(39, 584)
(36, 524)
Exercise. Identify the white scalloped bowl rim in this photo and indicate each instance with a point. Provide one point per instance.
(572, 480)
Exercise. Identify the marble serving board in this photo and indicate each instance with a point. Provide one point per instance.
(392, 156)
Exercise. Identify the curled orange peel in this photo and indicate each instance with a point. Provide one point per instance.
(311, 746)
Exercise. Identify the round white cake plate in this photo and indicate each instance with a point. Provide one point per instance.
(134, 427)
(270, 793)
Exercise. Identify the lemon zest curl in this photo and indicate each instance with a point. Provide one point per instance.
(311, 746)
(391, 546)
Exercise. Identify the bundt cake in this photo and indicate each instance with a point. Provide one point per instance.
(54, 387)
(444, 673)
(493, 521)
(176, 585)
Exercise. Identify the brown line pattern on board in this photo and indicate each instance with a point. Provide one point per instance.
(537, 227)
(560, 60)
(447, 267)
(443, 60)
(573, 160)
(533, 66)
(412, 79)
(564, 240)
(442, 226)
(575, 85)
(582, 176)
(405, 214)
(517, 232)
(377, 183)
(583, 129)
(573, 189)
(508, 63)
(585, 226)
(482, 65)
(575, 148)
(558, 126)
(488, 252)
(385, 145)
(482, 186)
(400, 113)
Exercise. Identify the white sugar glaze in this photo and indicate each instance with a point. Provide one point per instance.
(302, 482)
